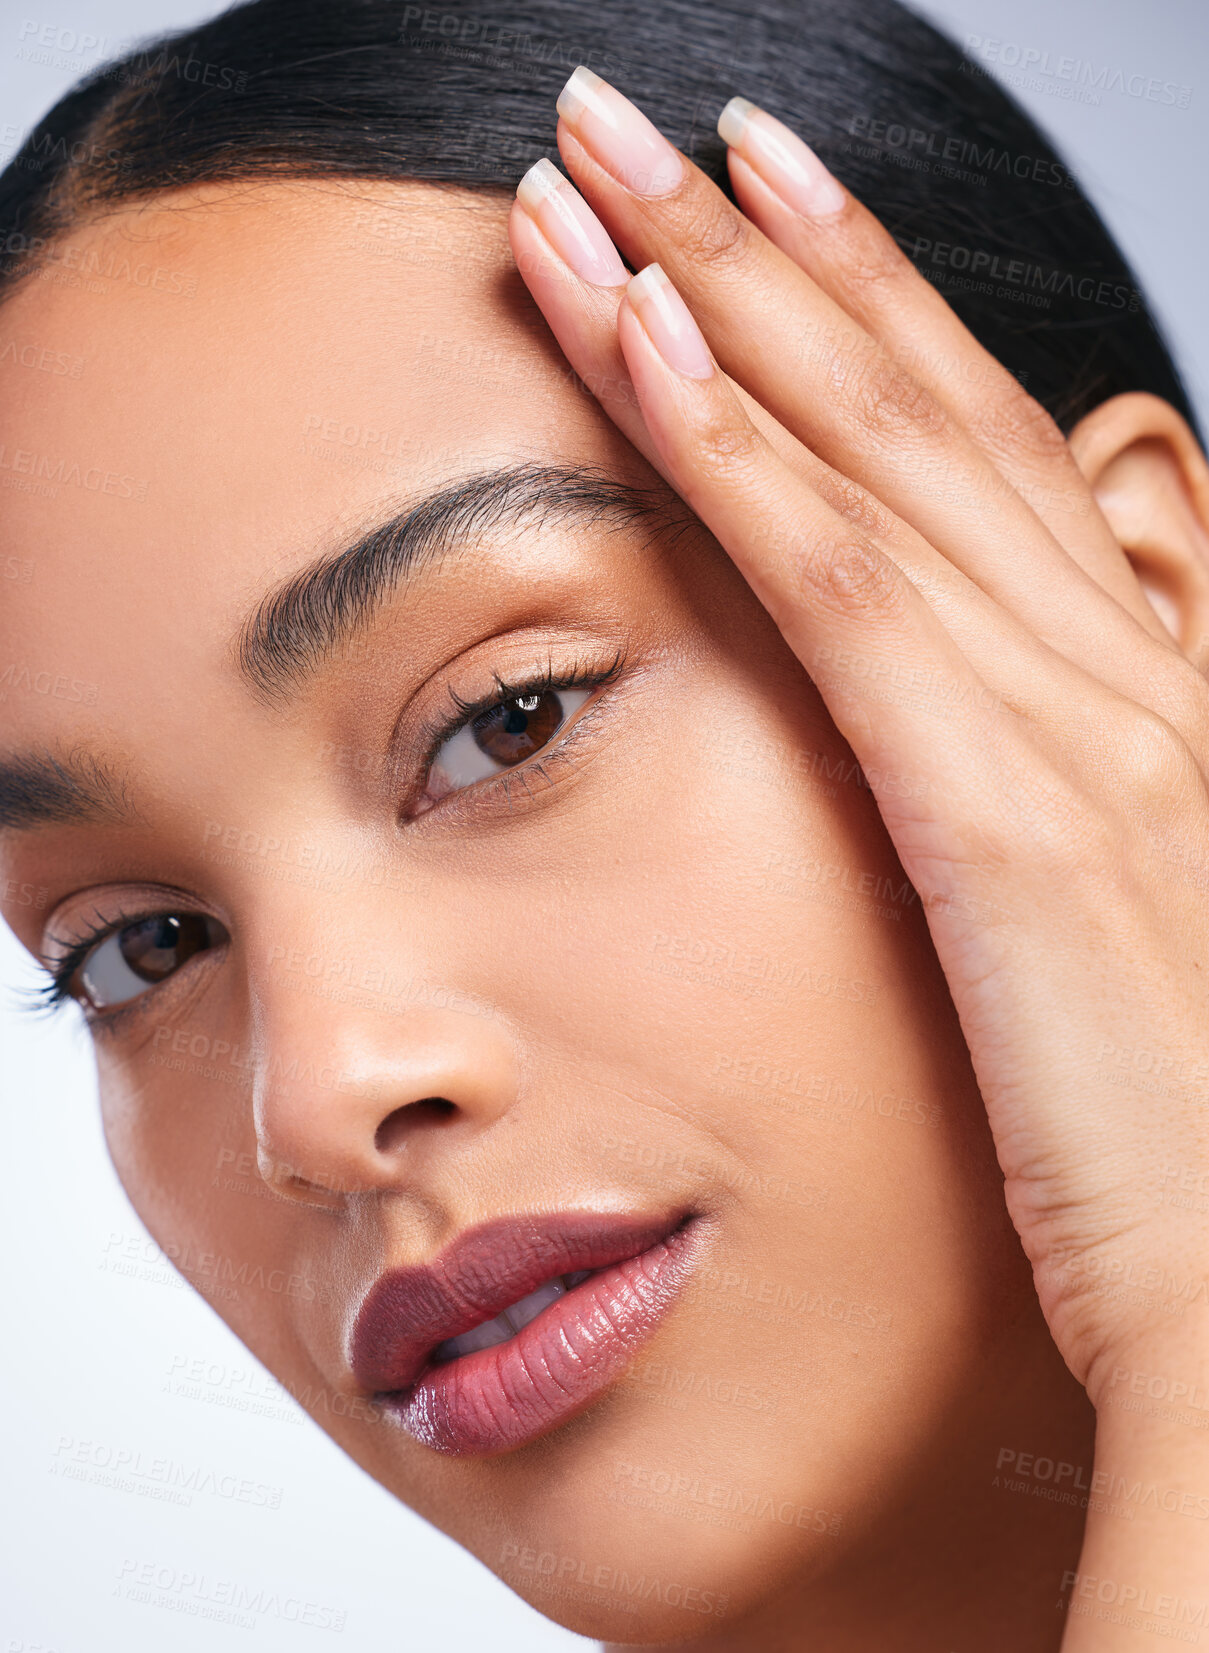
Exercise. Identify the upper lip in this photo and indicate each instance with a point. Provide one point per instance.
(408, 1312)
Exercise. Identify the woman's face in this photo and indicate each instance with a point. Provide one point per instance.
(524, 989)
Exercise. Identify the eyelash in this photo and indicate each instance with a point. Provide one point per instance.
(578, 676)
(53, 994)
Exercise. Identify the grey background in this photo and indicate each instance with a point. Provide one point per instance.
(117, 1329)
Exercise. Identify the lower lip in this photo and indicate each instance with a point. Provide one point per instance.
(503, 1397)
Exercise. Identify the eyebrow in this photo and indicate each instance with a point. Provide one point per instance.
(293, 629)
(52, 788)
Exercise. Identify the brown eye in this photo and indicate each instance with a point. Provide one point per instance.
(155, 947)
(515, 729)
(143, 953)
(499, 738)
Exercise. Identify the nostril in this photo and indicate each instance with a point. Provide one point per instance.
(428, 1110)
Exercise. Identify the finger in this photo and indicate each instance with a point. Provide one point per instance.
(557, 242)
(582, 310)
(578, 280)
(909, 672)
(572, 271)
(784, 188)
(1001, 792)
(848, 402)
(842, 605)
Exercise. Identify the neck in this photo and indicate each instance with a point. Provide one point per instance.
(966, 1551)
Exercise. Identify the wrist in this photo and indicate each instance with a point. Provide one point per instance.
(1159, 1365)
(1145, 1558)
(1156, 1388)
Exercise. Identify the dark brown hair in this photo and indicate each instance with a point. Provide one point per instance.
(461, 92)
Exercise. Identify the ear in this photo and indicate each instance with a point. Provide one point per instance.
(1151, 481)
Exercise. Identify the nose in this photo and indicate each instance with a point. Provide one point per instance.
(355, 1089)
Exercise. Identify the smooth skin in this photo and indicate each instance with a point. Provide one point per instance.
(675, 962)
(1066, 798)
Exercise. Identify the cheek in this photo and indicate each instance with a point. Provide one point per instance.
(740, 897)
(178, 1123)
(743, 1008)
(755, 1014)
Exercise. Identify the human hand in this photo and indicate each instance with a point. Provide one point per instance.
(918, 528)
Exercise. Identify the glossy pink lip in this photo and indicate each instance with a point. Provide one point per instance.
(502, 1397)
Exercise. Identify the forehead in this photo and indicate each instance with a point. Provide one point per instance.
(211, 377)
(200, 392)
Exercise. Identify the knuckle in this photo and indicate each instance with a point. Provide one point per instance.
(879, 263)
(1182, 698)
(848, 577)
(855, 504)
(890, 403)
(1078, 834)
(1060, 832)
(726, 440)
(1013, 422)
(713, 232)
(1158, 760)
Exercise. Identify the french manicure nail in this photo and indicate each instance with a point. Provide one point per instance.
(570, 226)
(668, 323)
(618, 135)
(785, 163)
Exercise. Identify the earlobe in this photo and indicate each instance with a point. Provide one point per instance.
(1151, 480)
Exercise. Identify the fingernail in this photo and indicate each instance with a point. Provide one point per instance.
(570, 226)
(785, 163)
(668, 323)
(619, 136)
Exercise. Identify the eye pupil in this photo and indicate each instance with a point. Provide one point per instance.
(513, 730)
(155, 947)
(501, 736)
